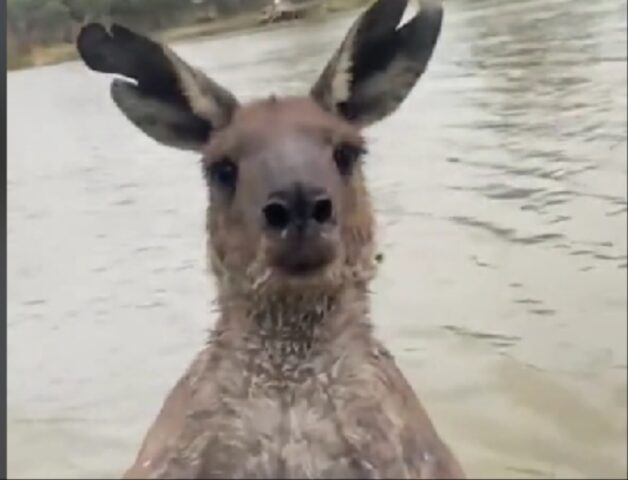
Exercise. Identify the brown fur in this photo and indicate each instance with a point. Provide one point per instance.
(276, 129)
(292, 382)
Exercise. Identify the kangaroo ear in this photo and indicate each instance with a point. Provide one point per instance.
(167, 99)
(378, 62)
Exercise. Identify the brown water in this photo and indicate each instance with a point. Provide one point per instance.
(500, 188)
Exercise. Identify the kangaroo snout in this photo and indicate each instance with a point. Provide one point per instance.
(298, 209)
(299, 221)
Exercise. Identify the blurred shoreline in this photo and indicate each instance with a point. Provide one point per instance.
(30, 55)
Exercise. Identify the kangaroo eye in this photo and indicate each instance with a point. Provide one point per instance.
(223, 173)
(346, 156)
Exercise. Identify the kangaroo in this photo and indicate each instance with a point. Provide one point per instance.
(292, 382)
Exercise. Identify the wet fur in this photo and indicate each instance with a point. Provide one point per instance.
(292, 383)
(294, 390)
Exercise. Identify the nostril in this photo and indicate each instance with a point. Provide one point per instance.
(322, 210)
(277, 215)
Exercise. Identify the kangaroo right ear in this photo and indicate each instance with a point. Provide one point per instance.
(167, 99)
(379, 61)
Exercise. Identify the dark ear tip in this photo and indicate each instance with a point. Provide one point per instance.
(90, 42)
(432, 9)
(96, 44)
(423, 31)
(90, 34)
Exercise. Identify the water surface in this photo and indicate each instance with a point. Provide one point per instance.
(500, 189)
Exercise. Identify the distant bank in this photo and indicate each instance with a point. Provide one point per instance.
(26, 49)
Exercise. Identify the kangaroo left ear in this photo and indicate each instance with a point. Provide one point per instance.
(377, 64)
(169, 100)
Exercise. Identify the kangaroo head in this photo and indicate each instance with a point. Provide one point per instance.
(288, 204)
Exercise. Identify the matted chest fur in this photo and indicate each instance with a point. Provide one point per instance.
(340, 412)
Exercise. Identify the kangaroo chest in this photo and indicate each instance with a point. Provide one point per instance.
(311, 427)
(340, 418)
(291, 432)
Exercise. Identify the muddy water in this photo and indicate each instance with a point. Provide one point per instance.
(500, 188)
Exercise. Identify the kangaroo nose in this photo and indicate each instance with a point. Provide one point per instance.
(297, 207)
